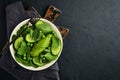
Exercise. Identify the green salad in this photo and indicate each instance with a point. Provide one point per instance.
(37, 45)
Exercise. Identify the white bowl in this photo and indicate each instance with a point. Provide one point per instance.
(54, 28)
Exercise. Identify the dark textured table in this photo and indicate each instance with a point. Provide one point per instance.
(92, 48)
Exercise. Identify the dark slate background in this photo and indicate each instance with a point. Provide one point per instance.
(92, 48)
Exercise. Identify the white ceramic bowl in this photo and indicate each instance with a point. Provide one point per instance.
(54, 28)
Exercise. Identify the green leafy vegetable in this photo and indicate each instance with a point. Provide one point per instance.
(22, 29)
(27, 63)
(36, 34)
(43, 26)
(26, 31)
(23, 49)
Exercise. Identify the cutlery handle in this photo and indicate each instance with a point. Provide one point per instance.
(4, 48)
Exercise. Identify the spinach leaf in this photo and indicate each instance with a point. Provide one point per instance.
(23, 49)
(44, 27)
(36, 34)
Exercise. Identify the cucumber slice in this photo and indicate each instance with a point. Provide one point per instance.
(28, 38)
(18, 42)
(56, 46)
(33, 65)
(38, 61)
(48, 56)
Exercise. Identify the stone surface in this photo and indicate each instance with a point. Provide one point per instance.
(92, 48)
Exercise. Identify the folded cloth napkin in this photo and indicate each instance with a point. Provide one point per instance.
(15, 13)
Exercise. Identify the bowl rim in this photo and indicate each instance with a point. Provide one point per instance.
(54, 28)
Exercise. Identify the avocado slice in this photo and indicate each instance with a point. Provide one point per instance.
(18, 42)
(56, 45)
(40, 46)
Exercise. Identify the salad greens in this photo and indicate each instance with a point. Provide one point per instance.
(37, 45)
